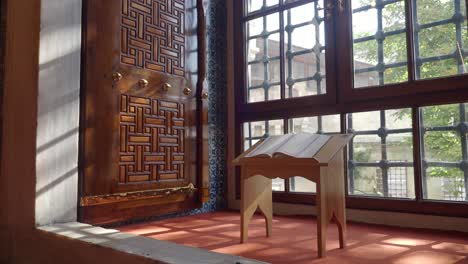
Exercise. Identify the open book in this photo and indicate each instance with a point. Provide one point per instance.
(301, 145)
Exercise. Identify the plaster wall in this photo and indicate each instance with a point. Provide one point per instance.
(58, 112)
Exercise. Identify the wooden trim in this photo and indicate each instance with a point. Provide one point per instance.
(231, 102)
(201, 36)
(3, 18)
(203, 177)
(140, 196)
(330, 59)
(294, 198)
(19, 121)
(302, 107)
(409, 40)
(130, 211)
(417, 154)
(239, 81)
(343, 33)
(82, 128)
(426, 86)
(427, 207)
(240, 40)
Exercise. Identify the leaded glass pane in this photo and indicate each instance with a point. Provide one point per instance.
(379, 36)
(256, 5)
(305, 50)
(263, 59)
(380, 157)
(440, 38)
(444, 152)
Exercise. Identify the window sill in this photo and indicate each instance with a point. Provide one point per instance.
(156, 250)
(425, 207)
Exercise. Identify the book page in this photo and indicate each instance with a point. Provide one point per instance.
(295, 145)
(269, 146)
(314, 147)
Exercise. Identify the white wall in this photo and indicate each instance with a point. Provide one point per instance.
(58, 111)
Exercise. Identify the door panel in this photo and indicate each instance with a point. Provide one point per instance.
(152, 135)
(155, 126)
(153, 35)
(142, 109)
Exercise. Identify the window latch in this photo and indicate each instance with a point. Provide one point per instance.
(328, 9)
(341, 6)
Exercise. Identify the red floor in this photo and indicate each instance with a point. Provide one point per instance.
(294, 240)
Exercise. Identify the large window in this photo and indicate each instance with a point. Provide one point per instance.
(391, 72)
(285, 50)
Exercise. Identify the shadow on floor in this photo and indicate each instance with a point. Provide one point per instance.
(294, 240)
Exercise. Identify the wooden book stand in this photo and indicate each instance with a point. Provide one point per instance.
(326, 169)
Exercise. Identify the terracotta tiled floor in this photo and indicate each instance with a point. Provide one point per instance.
(294, 240)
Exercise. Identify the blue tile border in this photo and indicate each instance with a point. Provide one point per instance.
(217, 109)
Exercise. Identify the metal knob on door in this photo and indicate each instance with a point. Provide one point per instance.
(117, 76)
(187, 91)
(166, 87)
(143, 83)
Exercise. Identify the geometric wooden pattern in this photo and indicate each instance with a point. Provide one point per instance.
(152, 135)
(153, 35)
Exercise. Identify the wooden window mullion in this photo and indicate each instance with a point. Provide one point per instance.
(409, 40)
(417, 154)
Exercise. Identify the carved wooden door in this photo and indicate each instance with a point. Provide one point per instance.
(142, 109)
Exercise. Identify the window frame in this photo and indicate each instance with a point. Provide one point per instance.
(240, 48)
(410, 88)
(342, 98)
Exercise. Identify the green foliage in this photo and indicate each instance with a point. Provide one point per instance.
(440, 145)
(362, 155)
(363, 174)
(434, 41)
